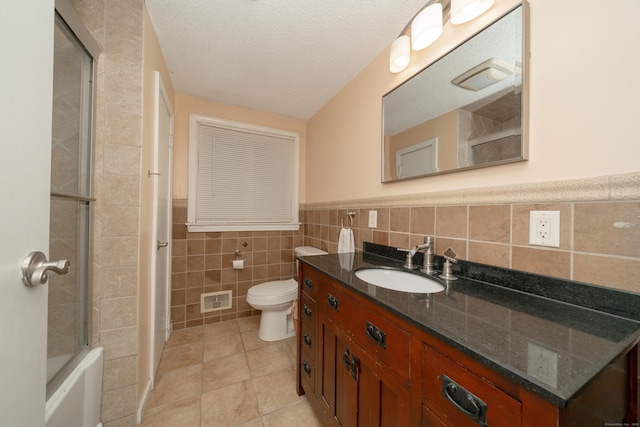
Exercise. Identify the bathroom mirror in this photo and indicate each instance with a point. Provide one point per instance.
(463, 111)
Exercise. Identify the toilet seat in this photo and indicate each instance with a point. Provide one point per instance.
(276, 292)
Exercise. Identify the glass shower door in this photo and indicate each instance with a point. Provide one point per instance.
(71, 211)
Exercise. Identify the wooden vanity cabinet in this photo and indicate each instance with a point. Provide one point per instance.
(366, 367)
(361, 363)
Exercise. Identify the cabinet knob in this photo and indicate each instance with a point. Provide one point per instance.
(308, 283)
(307, 311)
(332, 301)
(306, 367)
(307, 339)
(376, 335)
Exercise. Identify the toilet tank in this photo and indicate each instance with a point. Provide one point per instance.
(308, 250)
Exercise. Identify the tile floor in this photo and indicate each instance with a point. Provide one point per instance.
(223, 375)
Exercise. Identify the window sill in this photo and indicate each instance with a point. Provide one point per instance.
(206, 228)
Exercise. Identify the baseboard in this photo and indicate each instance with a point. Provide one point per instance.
(143, 401)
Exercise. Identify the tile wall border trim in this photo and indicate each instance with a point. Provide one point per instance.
(612, 188)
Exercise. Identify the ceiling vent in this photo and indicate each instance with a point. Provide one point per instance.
(484, 75)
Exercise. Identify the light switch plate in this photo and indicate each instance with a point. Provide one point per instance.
(373, 219)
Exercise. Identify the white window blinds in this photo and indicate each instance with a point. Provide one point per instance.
(241, 177)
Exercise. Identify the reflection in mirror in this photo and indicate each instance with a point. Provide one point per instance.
(463, 111)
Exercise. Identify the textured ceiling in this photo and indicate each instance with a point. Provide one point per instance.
(287, 57)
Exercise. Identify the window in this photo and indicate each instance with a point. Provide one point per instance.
(241, 177)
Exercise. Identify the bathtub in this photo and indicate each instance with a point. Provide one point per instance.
(76, 403)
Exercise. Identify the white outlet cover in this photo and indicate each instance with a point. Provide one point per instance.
(553, 239)
(373, 219)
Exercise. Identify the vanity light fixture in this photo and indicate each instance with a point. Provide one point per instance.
(427, 26)
(465, 10)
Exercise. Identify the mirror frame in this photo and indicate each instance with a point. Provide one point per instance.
(524, 105)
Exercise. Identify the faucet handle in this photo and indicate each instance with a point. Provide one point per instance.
(449, 256)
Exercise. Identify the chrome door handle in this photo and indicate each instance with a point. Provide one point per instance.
(159, 245)
(35, 268)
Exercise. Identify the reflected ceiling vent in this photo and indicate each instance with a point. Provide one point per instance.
(484, 75)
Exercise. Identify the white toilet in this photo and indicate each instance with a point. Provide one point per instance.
(274, 299)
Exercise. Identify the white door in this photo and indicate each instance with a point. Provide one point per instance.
(161, 258)
(26, 85)
(418, 159)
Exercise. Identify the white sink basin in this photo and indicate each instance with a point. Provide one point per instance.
(398, 280)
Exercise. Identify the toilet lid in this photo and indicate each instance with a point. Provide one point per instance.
(275, 288)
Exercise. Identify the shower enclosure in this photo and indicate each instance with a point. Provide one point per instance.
(71, 200)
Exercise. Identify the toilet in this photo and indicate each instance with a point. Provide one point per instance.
(274, 299)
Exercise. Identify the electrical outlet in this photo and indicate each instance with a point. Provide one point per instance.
(544, 228)
(542, 364)
(373, 219)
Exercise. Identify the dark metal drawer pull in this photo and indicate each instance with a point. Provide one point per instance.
(307, 339)
(307, 311)
(346, 356)
(306, 367)
(464, 401)
(332, 301)
(354, 367)
(308, 283)
(376, 335)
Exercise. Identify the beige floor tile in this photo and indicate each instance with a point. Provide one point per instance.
(221, 329)
(253, 423)
(222, 347)
(249, 323)
(268, 359)
(291, 349)
(276, 390)
(224, 372)
(176, 385)
(185, 413)
(298, 414)
(229, 406)
(181, 357)
(184, 336)
(251, 341)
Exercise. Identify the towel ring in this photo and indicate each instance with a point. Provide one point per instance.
(350, 215)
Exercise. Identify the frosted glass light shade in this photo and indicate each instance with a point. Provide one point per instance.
(400, 54)
(465, 10)
(426, 27)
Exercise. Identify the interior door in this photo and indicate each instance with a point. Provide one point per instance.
(26, 31)
(162, 222)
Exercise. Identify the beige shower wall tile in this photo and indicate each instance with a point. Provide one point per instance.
(542, 261)
(119, 252)
(119, 342)
(521, 218)
(121, 160)
(120, 221)
(118, 403)
(619, 273)
(125, 12)
(490, 223)
(120, 190)
(119, 282)
(608, 228)
(118, 312)
(120, 373)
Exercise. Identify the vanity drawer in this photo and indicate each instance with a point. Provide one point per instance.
(376, 335)
(311, 279)
(307, 372)
(459, 398)
(308, 337)
(307, 312)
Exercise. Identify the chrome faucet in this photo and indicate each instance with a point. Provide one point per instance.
(427, 261)
(427, 265)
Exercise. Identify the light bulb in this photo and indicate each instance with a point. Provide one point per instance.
(465, 10)
(426, 27)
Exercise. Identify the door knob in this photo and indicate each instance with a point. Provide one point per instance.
(159, 245)
(35, 268)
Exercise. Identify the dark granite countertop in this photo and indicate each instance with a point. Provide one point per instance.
(501, 317)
